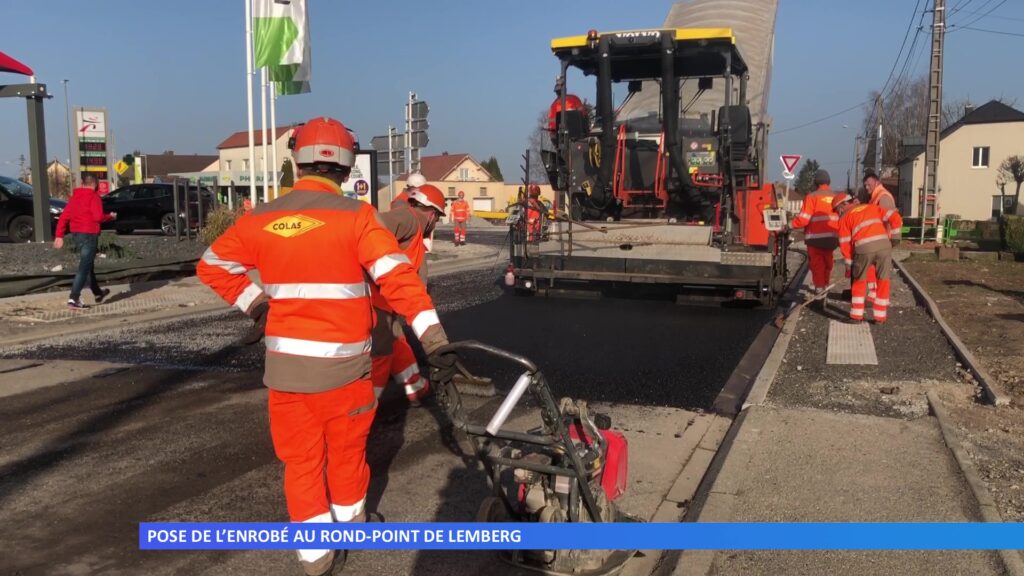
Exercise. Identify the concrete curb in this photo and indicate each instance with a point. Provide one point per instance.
(460, 265)
(59, 331)
(993, 394)
(763, 382)
(989, 512)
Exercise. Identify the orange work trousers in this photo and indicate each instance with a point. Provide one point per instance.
(460, 231)
(401, 365)
(821, 262)
(321, 438)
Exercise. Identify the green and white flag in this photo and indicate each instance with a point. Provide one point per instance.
(281, 43)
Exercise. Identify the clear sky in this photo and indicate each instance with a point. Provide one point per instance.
(171, 74)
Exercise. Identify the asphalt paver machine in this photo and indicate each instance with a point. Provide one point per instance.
(570, 468)
(672, 194)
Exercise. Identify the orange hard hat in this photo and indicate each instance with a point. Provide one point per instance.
(462, 194)
(572, 102)
(534, 190)
(323, 141)
(428, 195)
(840, 199)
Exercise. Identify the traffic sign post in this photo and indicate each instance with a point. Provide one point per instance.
(789, 162)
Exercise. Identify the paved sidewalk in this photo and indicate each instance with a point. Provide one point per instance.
(843, 442)
(33, 317)
(36, 316)
(807, 465)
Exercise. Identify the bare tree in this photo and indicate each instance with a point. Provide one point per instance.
(1012, 169)
(905, 115)
(540, 139)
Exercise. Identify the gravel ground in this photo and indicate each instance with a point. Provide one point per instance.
(35, 258)
(983, 302)
(912, 354)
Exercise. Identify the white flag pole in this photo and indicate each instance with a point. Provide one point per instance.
(273, 150)
(248, 95)
(263, 123)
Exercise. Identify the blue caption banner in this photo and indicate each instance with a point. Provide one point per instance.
(626, 536)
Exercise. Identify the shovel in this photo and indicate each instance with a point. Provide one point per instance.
(780, 320)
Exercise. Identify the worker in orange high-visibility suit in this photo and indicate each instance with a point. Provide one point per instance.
(314, 250)
(879, 196)
(821, 226)
(534, 215)
(864, 242)
(460, 216)
(392, 355)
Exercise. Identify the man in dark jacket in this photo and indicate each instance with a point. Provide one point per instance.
(83, 215)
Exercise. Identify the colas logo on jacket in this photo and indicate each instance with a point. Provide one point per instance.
(294, 225)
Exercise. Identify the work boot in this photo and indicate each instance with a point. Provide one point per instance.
(331, 563)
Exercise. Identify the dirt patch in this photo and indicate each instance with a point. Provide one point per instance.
(983, 302)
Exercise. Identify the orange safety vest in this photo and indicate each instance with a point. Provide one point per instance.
(821, 223)
(460, 210)
(407, 229)
(882, 198)
(315, 251)
(865, 229)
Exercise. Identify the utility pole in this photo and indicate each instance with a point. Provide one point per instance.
(391, 161)
(879, 142)
(930, 206)
(67, 129)
(408, 133)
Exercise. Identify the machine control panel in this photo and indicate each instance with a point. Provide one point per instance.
(775, 219)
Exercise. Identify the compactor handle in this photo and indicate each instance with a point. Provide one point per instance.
(474, 345)
(498, 420)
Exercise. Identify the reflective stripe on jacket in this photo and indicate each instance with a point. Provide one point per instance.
(406, 226)
(882, 198)
(315, 251)
(460, 210)
(820, 223)
(864, 229)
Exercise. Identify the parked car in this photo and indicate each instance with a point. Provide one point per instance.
(16, 221)
(151, 207)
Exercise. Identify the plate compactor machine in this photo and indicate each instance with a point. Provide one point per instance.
(570, 468)
(673, 188)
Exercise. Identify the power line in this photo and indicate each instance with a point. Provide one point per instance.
(959, 7)
(991, 31)
(822, 119)
(1000, 16)
(906, 35)
(955, 27)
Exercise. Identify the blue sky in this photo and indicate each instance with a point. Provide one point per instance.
(171, 74)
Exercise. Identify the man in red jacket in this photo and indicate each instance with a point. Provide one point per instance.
(84, 214)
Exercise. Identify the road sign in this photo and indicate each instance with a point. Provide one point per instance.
(420, 140)
(380, 143)
(789, 161)
(788, 175)
(121, 167)
(420, 110)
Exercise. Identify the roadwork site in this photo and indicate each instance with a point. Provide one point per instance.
(164, 419)
(643, 350)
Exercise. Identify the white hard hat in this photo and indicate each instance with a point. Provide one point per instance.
(415, 180)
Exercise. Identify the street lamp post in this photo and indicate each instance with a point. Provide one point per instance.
(67, 130)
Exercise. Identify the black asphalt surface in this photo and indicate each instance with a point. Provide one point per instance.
(616, 350)
(182, 435)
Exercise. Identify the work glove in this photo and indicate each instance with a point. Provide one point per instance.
(896, 242)
(849, 270)
(442, 366)
(258, 313)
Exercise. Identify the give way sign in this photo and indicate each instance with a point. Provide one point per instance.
(789, 161)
